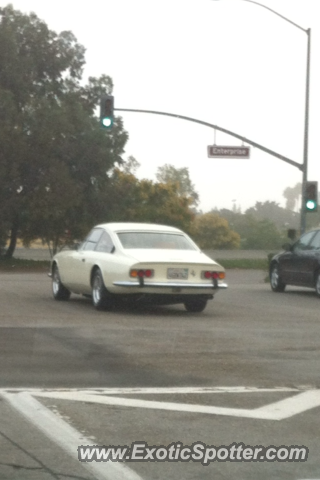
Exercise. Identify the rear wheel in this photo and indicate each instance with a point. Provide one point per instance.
(195, 305)
(100, 296)
(60, 292)
(276, 283)
(317, 284)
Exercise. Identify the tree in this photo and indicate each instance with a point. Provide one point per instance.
(292, 195)
(261, 234)
(55, 159)
(180, 176)
(255, 233)
(133, 200)
(131, 165)
(212, 231)
(281, 217)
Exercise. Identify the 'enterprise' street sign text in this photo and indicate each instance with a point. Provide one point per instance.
(217, 151)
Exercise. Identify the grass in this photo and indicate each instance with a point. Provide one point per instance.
(249, 263)
(22, 265)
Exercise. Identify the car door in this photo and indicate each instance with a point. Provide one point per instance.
(106, 258)
(80, 262)
(314, 258)
(296, 265)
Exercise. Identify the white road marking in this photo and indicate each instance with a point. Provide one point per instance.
(293, 405)
(160, 390)
(275, 411)
(184, 390)
(67, 437)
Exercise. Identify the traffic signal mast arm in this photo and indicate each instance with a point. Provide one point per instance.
(224, 130)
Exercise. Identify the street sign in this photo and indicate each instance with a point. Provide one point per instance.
(218, 151)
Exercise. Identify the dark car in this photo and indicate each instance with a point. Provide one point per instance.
(298, 265)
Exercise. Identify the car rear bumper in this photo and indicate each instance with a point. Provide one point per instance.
(159, 285)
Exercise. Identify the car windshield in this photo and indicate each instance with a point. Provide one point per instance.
(155, 240)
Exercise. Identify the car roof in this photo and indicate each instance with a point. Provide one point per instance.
(129, 226)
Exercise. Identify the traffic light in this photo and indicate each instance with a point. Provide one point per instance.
(106, 111)
(311, 197)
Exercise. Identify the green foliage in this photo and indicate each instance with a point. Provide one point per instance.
(283, 218)
(57, 165)
(263, 226)
(131, 165)
(22, 265)
(36, 60)
(261, 234)
(256, 232)
(180, 176)
(133, 200)
(212, 232)
(54, 158)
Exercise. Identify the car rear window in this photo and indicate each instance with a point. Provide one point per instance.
(156, 240)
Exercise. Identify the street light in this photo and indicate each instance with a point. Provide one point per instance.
(304, 166)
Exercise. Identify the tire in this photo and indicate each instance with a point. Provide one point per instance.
(100, 296)
(195, 305)
(275, 280)
(317, 284)
(60, 292)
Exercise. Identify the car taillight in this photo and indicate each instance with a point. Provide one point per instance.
(218, 275)
(142, 273)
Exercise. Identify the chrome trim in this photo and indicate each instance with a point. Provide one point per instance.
(206, 286)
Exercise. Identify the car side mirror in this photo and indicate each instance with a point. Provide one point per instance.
(76, 246)
(287, 247)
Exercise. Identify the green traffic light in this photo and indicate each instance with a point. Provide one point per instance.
(311, 205)
(107, 122)
(311, 196)
(106, 111)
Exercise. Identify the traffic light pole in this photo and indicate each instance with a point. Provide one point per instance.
(306, 118)
(306, 136)
(300, 166)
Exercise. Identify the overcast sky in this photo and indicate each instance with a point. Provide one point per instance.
(226, 62)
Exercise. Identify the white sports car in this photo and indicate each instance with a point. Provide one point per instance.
(139, 262)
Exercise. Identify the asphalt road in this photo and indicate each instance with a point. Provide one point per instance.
(65, 365)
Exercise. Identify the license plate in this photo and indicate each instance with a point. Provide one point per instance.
(178, 273)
